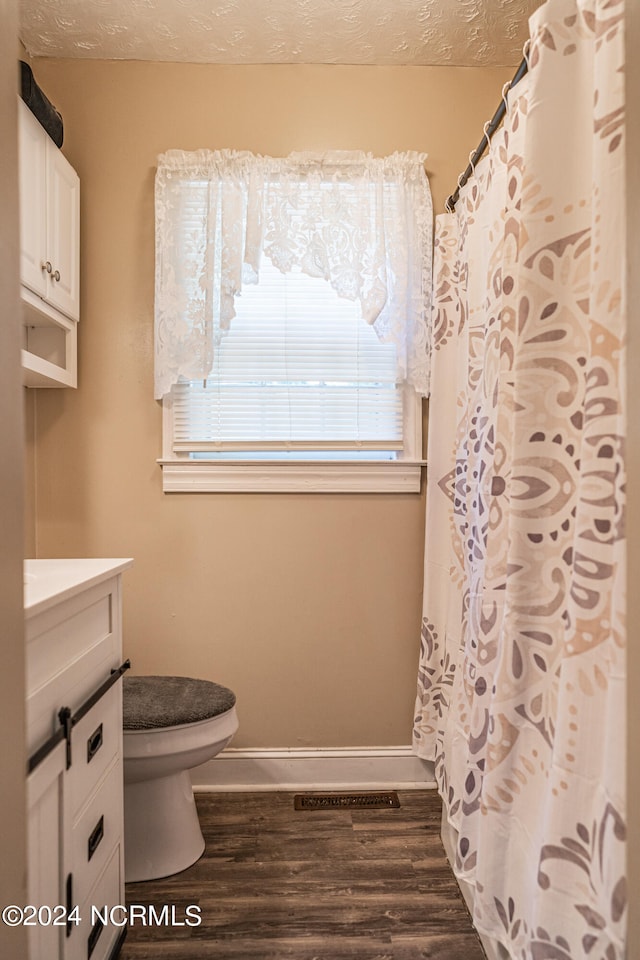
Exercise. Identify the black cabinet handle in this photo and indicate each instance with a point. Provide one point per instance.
(69, 897)
(94, 743)
(94, 936)
(95, 837)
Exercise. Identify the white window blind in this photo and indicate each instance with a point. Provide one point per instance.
(298, 371)
(309, 379)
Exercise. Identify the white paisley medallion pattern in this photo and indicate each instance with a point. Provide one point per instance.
(521, 692)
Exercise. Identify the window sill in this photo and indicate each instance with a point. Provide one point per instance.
(242, 476)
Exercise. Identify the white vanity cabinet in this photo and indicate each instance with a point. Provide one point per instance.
(74, 742)
(49, 256)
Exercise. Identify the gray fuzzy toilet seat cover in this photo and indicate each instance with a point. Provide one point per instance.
(153, 702)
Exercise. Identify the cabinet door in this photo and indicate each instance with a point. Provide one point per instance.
(63, 233)
(47, 831)
(32, 143)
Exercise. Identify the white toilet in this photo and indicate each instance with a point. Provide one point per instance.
(170, 724)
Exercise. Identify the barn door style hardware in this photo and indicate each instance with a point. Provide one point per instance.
(68, 721)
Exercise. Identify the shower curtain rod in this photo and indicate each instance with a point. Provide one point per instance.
(490, 129)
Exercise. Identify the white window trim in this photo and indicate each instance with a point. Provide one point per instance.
(180, 474)
(394, 476)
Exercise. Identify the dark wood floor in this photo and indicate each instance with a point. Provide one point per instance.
(322, 885)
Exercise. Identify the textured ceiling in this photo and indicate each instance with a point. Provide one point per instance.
(455, 32)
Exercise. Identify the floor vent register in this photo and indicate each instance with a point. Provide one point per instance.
(351, 801)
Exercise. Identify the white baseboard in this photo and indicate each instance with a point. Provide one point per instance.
(344, 768)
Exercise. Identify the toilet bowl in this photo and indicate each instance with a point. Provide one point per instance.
(171, 724)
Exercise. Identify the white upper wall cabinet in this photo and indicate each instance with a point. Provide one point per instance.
(33, 230)
(63, 233)
(49, 256)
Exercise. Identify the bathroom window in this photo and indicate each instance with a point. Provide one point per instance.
(275, 380)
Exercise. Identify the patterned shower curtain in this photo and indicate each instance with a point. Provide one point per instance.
(521, 692)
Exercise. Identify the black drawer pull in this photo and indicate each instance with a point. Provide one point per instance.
(94, 936)
(96, 836)
(69, 892)
(94, 743)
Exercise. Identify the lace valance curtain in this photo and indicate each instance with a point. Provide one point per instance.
(362, 223)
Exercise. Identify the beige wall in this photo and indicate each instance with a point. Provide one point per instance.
(29, 412)
(308, 606)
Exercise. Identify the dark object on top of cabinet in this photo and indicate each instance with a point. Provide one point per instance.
(40, 106)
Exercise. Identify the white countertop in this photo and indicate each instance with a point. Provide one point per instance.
(49, 581)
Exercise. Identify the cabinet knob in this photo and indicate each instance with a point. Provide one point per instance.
(56, 275)
(47, 266)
